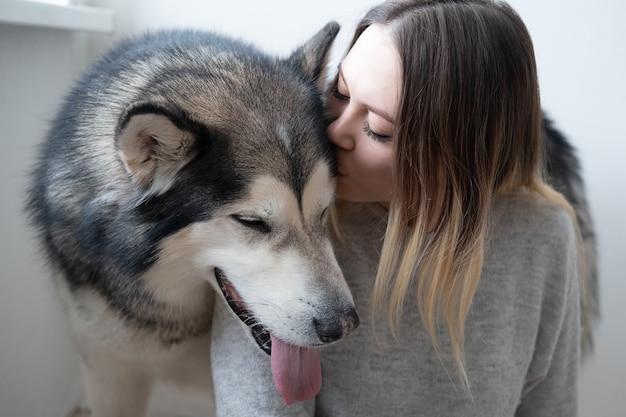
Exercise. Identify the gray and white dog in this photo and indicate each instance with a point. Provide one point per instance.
(185, 164)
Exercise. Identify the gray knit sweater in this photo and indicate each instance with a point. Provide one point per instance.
(522, 333)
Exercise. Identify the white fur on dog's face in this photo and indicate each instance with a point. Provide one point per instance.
(284, 268)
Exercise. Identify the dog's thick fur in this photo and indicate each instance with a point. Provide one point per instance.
(184, 164)
(564, 174)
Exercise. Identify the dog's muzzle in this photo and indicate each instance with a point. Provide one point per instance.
(328, 328)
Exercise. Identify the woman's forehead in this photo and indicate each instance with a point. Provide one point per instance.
(371, 72)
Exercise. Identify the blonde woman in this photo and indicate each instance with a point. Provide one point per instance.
(448, 234)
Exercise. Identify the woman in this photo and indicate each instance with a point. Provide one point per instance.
(448, 233)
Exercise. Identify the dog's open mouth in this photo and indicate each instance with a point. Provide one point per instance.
(260, 333)
(296, 370)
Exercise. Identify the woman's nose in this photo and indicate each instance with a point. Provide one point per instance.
(340, 133)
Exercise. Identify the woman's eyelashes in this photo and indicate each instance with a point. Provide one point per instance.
(338, 95)
(376, 136)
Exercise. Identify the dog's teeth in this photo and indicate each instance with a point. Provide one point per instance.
(262, 337)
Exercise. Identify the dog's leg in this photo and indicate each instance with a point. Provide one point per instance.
(117, 392)
(116, 386)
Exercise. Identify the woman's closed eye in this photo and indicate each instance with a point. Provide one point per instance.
(376, 136)
(338, 95)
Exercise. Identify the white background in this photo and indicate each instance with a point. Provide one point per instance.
(581, 58)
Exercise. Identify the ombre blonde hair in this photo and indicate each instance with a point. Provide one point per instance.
(468, 129)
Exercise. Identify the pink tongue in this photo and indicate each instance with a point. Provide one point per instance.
(297, 371)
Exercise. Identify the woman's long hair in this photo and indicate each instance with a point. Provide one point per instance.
(468, 129)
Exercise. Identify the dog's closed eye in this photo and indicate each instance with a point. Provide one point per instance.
(253, 223)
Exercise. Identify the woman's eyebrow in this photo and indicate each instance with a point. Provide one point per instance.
(382, 114)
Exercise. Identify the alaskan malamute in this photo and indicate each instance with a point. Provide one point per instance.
(185, 164)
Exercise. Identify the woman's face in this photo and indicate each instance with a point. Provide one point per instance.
(363, 108)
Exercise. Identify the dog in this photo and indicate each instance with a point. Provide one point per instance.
(182, 166)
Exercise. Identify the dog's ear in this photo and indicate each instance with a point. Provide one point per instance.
(311, 59)
(152, 147)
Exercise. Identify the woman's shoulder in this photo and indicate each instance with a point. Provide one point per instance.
(531, 214)
(531, 249)
(529, 230)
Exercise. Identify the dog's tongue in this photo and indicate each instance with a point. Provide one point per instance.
(297, 371)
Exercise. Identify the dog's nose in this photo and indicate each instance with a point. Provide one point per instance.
(332, 329)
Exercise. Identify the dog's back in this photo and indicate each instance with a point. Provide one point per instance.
(565, 175)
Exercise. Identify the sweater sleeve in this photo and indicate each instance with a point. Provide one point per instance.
(551, 386)
(242, 374)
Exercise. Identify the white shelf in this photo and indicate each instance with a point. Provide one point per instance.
(73, 17)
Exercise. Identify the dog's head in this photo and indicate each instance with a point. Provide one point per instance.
(232, 169)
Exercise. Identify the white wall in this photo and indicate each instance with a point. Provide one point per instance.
(38, 368)
(581, 61)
